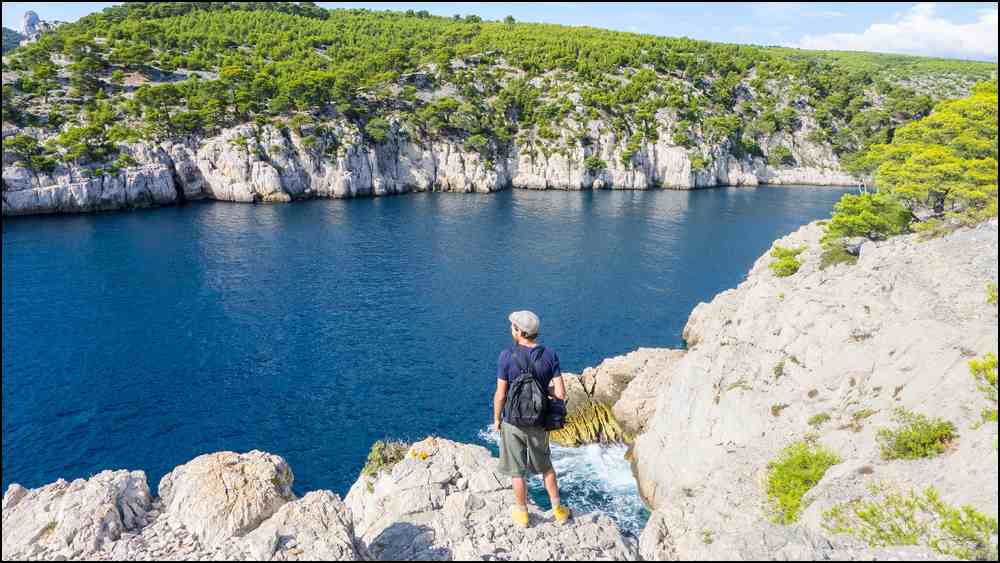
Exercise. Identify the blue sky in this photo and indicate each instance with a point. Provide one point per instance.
(965, 30)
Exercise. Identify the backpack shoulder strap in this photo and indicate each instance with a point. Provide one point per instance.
(533, 355)
(515, 356)
(536, 354)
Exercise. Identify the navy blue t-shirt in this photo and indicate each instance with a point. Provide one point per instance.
(546, 364)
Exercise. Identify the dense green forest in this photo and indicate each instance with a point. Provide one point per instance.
(171, 69)
(939, 173)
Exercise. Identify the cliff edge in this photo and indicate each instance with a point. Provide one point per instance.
(838, 359)
(441, 501)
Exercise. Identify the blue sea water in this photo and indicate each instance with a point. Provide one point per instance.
(142, 339)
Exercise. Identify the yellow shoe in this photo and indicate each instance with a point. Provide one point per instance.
(519, 514)
(562, 514)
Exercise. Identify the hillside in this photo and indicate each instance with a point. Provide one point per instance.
(513, 104)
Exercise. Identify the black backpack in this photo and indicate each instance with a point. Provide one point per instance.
(527, 402)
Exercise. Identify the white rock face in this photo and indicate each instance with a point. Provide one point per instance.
(73, 520)
(29, 23)
(264, 164)
(143, 186)
(445, 501)
(636, 403)
(32, 27)
(317, 527)
(895, 330)
(200, 494)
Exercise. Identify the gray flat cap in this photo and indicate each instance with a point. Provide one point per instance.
(525, 321)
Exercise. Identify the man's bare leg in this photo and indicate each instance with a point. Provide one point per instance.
(520, 491)
(552, 486)
(561, 513)
(519, 512)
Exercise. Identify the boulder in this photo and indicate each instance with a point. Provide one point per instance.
(606, 382)
(317, 527)
(73, 520)
(225, 495)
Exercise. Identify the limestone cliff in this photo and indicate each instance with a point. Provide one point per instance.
(276, 164)
(826, 356)
(829, 355)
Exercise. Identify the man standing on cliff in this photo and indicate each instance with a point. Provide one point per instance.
(524, 450)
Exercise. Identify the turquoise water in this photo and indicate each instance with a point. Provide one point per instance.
(142, 339)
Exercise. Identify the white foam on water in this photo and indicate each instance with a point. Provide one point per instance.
(594, 478)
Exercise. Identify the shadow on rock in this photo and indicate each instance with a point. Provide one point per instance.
(403, 541)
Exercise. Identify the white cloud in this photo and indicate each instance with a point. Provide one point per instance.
(920, 31)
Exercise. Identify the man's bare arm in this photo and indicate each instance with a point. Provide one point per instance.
(499, 398)
(558, 388)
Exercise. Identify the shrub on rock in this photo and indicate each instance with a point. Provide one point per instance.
(787, 261)
(383, 456)
(894, 518)
(873, 216)
(985, 373)
(798, 469)
(594, 164)
(916, 437)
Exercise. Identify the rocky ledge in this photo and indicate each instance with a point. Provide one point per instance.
(442, 501)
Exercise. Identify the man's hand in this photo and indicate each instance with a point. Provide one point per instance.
(499, 398)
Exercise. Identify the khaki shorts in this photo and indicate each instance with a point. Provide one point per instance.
(524, 451)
